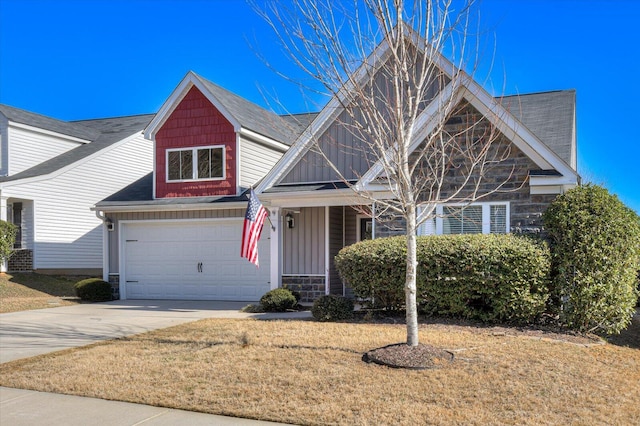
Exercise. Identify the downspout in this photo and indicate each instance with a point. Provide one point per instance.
(105, 244)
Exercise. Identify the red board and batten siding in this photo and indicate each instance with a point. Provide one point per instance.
(195, 122)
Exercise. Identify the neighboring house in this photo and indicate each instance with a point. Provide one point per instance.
(52, 172)
(177, 231)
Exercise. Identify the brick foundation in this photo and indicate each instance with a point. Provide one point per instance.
(309, 287)
(21, 261)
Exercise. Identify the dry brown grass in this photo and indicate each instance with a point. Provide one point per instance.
(22, 292)
(305, 372)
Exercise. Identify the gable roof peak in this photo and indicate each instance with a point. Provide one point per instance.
(242, 113)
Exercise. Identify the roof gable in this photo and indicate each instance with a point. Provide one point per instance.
(465, 89)
(241, 113)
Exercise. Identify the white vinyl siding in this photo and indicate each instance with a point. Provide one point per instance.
(28, 149)
(477, 218)
(256, 161)
(63, 231)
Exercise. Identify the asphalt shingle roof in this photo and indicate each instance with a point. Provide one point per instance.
(75, 129)
(550, 116)
(252, 116)
(106, 132)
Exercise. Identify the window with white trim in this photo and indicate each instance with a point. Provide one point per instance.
(199, 163)
(477, 218)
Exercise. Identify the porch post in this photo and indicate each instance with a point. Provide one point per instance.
(275, 246)
(373, 220)
(3, 216)
(327, 252)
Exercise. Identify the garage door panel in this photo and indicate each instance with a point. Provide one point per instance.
(201, 261)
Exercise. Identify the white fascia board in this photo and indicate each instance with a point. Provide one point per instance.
(138, 206)
(545, 190)
(71, 166)
(552, 180)
(176, 97)
(333, 197)
(47, 132)
(257, 137)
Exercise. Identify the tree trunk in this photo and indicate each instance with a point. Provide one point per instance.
(410, 287)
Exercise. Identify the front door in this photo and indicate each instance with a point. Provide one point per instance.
(366, 228)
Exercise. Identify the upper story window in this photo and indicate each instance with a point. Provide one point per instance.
(478, 218)
(200, 163)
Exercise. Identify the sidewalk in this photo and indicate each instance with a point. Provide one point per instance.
(26, 408)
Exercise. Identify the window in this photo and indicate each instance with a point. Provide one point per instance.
(202, 163)
(479, 218)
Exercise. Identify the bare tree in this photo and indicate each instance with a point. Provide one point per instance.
(401, 102)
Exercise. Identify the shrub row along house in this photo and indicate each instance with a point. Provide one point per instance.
(175, 232)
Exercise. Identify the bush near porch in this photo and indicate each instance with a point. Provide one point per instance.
(595, 246)
(485, 277)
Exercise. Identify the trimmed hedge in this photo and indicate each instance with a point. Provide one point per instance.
(332, 308)
(595, 246)
(484, 277)
(93, 290)
(278, 300)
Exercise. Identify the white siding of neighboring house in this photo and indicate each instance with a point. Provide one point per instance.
(67, 234)
(3, 146)
(255, 162)
(29, 148)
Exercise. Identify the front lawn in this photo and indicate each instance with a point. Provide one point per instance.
(21, 292)
(305, 372)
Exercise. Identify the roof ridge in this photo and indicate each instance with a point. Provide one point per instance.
(544, 92)
(112, 117)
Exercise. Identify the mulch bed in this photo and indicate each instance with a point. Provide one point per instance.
(400, 355)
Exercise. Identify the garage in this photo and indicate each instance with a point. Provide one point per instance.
(192, 260)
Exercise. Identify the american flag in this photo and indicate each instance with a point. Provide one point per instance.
(253, 220)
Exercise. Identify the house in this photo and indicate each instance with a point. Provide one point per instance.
(175, 233)
(52, 172)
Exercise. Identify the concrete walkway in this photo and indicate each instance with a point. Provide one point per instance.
(20, 407)
(29, 333)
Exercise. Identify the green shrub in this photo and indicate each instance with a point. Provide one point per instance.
(485, 277)
(7, 239)
(93, 290)
(375, 270)
(595, 246)
(332, 308)
(278, 300)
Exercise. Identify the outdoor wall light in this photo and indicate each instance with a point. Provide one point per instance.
(109, 224)
(291, 222)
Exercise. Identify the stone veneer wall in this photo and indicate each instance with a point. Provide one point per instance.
(21, 261)
(310, 287)
(507, 180)
(114, 280)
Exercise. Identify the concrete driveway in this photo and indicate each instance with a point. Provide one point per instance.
(29, 333)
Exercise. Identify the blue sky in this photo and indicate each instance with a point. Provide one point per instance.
(75, 59)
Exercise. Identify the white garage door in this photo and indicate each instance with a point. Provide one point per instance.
(192, 261)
